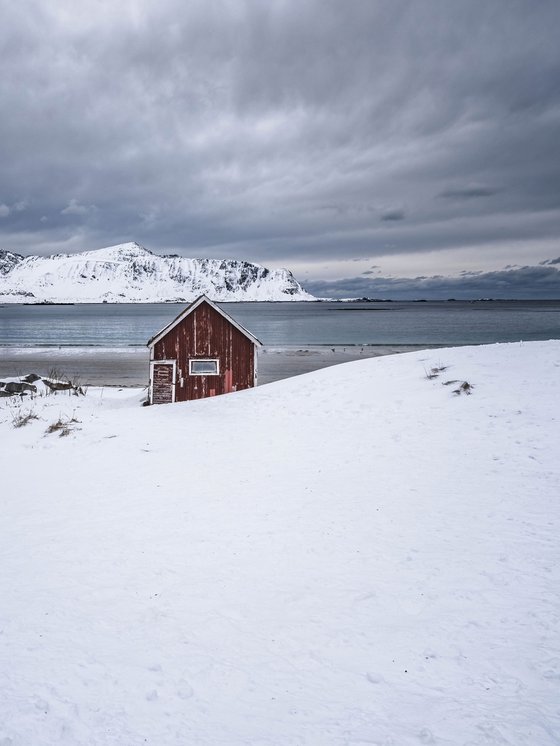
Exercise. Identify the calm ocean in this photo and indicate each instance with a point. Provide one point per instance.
(287, 324)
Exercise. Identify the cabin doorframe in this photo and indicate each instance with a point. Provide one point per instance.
(173, 363)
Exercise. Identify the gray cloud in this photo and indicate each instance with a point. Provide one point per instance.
(393, 215)
(469, 192)
(75, 208)
(280, 131)
(523, 282)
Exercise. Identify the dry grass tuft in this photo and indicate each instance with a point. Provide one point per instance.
(464, 388)
(434, 372)
(62, 426)
(20, 419)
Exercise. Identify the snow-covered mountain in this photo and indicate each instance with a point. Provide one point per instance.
(129, 273)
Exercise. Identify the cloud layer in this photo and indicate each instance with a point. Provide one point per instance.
(538, 282)
(284, 132)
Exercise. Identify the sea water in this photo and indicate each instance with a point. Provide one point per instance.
(292, 323)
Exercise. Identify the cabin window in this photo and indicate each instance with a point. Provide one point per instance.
(204, 367)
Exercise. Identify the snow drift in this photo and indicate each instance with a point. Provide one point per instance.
(129, 273)
(353, 556)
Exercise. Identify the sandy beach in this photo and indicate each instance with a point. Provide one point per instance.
(128, 366)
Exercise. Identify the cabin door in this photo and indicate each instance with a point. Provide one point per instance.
(163, 381)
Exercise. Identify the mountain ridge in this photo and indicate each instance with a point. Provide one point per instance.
(130, 273)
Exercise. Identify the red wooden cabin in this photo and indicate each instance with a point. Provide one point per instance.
(203, 352)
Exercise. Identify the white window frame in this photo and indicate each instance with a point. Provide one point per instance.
(204, 360)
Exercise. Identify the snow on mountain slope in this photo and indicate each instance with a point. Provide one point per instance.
(354, 556)
(130, 273)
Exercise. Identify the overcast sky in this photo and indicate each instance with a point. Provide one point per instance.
(358, 143)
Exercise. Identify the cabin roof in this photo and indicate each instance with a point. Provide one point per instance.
(192, 307)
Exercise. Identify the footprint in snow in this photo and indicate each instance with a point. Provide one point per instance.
(425, 736)
(185, 692)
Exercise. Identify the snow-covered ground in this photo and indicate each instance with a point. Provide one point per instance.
(355, 556)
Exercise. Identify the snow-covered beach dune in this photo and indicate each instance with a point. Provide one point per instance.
(354, 556)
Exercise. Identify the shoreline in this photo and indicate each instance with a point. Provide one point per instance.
(129, 366)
